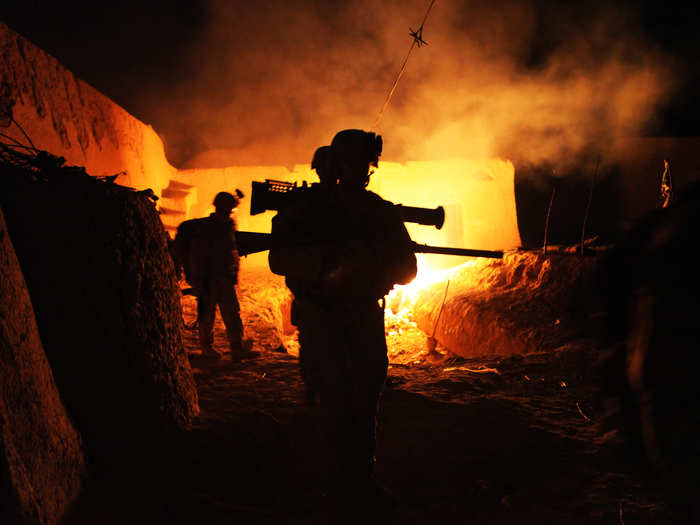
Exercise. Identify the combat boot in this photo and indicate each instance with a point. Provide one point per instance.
(243, 351)
(209, 352)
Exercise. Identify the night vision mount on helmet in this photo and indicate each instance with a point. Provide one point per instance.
(354, 143)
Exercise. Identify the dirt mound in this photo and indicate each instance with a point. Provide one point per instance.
(102, 282)
(523, 303)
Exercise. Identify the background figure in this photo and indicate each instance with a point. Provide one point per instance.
(207, 250)
(666, 185)
(346, 248)
(652, 287)
(322, 164)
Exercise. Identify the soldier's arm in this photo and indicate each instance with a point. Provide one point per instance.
(236, 262)
(405, 262)
(400, 265)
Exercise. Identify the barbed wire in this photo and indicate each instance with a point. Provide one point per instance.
(43, 166)
(417, 41)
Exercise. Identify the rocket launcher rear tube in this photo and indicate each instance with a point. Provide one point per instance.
(253, 242)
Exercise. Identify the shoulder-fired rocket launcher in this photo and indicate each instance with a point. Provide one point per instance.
(273, 195)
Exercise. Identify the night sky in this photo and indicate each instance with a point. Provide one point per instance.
(156, 59)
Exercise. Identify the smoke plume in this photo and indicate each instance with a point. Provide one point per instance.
(273, 80)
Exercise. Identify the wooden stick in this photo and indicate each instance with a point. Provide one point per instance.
(447, 287)
(588, 206)
(546, 222)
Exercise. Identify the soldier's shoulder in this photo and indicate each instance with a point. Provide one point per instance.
(377, 200)
(189, 225)
(203, 223)
(379, 204)
(373, 196)
(197, 220)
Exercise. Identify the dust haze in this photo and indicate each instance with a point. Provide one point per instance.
(534, 82)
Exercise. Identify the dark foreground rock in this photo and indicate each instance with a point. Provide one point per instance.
(41, 459)
(95, 258)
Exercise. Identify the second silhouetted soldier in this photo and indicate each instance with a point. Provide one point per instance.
(309, 364)
(211, 262)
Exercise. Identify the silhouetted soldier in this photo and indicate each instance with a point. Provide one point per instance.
(207, 249)
(322, 164)
(345, 249)
(310, 372)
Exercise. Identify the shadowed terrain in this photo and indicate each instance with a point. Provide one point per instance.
(498, 440)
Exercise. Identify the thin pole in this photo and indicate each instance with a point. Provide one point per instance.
(588, 206)
(546, 222)
(441, 307)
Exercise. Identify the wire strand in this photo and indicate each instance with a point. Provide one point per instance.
(415, 41)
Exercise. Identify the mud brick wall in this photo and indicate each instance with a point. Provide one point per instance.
(67, 117)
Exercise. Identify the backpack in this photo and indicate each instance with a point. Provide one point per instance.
(186, 233)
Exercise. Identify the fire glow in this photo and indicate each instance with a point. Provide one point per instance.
(478, 197)
(404, 296)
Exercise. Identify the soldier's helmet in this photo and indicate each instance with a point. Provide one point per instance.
(357, 145)
(321, 163)
(225, 199)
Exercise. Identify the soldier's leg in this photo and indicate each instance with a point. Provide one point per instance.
(324, 333)
(206, 310)
(367, 370)
(333, 404)
(308, 349)
(231, 315)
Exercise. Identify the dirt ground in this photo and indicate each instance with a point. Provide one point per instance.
(503, 440)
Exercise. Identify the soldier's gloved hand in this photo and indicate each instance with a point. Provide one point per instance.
(353, 270)
(336, 278)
